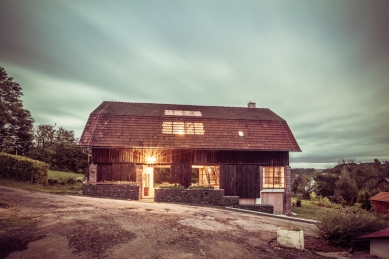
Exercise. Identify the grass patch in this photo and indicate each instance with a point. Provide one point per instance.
(309, 210)
(62, 183)
(58, 174)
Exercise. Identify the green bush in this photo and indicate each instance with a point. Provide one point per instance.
(325, 202)
(22, 168)
(52, 181)
(341, 226)
(70, 181)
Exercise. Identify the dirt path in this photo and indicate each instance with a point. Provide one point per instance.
(83, 227)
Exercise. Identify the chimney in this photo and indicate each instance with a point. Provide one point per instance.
(251, 105)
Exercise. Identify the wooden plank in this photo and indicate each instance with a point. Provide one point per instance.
(181, 173)
(123, 172)
(104, 172)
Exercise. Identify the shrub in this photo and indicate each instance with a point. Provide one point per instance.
(22, 168)
(298, 203)
(341, 226)
(70, 181)
(325, 202)
(52, 181)
(312, 196)
(363, 199)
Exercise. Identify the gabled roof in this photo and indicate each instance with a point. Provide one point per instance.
(384, 233)
(382, 196)
(120, 124)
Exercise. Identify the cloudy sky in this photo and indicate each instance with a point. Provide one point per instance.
(321, 65)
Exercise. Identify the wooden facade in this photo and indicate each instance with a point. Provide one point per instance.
(129, 141)
(380, 203)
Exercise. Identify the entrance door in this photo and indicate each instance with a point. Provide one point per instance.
(148, 182)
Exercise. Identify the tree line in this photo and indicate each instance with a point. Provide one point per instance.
(348, 182)
(18, 135)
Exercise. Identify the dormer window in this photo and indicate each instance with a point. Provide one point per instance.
(240, 133)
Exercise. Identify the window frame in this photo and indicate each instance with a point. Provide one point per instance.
(273, 177)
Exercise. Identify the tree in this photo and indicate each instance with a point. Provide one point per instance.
(346, 187)
(304, 185)
(325, 184)
(58, 148)
(16, 123)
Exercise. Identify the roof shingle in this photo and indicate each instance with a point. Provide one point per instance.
(117, 124)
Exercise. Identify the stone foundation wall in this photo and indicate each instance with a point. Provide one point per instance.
(267, 208)
(195, 196)
(117, 191)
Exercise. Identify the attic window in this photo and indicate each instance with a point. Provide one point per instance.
(240, 133)
(182, 128)
(183, 113)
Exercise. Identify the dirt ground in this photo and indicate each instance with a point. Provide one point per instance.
(56, 226)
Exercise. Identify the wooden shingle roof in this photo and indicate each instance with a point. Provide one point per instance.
(132, 125)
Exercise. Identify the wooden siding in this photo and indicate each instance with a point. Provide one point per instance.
(181, 173)
(123, 172)
(109, 155)
(381, 207)
(240, 180)
(104, 172)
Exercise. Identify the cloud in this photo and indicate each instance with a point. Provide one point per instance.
(322, 65)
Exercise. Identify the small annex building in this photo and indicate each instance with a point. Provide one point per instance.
(379, 241)
(380, 203)
(242, 150)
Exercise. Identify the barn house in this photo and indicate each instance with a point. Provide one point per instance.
(243, 151)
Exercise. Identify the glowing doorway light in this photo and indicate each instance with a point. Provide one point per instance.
(151, 159)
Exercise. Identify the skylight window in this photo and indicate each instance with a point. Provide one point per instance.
(240, 133)
(183, 113)
(181, 128)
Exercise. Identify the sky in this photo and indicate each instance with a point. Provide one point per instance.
(323, 66)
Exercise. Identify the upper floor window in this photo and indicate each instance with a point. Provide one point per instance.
(182, 128)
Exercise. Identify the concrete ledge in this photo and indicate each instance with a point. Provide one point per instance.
(266, 208)
(310, 221)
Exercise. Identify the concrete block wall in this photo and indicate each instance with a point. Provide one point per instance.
(266, 208)
(117, 191)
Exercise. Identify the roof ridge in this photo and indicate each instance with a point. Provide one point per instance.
(196, 105)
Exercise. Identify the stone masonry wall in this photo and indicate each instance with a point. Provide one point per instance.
(195, 196)
(117, 191)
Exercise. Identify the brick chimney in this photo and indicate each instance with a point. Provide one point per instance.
(251, 105)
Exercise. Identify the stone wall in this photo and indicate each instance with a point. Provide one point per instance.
(195, 196)
(117, 191)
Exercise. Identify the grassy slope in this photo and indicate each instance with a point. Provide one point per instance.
(309, 210)
(58, 174)
(58, 189)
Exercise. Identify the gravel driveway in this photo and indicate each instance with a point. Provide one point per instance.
(57, 226)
